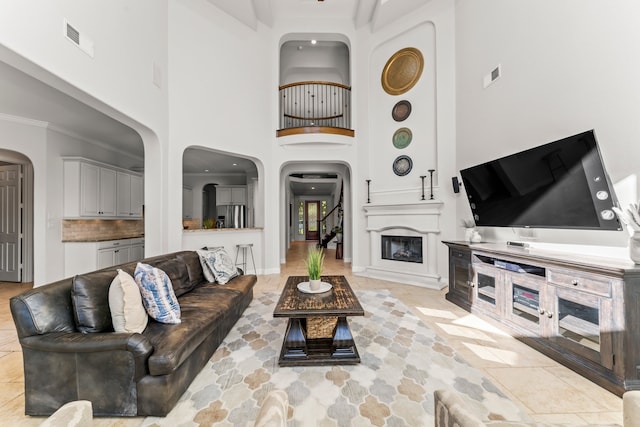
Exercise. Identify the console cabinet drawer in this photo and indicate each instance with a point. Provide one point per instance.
(598, 285)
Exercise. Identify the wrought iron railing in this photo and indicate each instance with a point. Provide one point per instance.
(315, 104)
(322, 225)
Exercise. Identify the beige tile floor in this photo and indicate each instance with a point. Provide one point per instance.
(547, 391)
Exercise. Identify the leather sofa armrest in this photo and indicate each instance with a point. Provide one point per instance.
(76, 342)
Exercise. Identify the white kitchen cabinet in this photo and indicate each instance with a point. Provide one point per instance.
(130, 195)
(97, 187)
(113, 256)
(231, 195)
(83, 257)
(136, 252)
(95, 190)
(137, 195)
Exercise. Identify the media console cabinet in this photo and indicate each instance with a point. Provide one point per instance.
(582, 311)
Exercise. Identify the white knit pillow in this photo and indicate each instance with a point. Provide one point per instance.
(127, 311)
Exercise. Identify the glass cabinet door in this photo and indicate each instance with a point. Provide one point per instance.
(523, 301)
(578, 322)
(459, 274)
(485, 288)
(461, 277)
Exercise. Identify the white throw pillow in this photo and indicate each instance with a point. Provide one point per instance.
(127, 312)
(208, 274)
(220, 264)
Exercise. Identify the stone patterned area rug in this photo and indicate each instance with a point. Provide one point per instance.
(403, 362)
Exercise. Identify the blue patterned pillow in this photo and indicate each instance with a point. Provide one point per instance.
(220, 264)
(157, 294)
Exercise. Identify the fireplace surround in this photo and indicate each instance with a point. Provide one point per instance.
(405, 221)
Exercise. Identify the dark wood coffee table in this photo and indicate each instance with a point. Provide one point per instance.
(318, 332)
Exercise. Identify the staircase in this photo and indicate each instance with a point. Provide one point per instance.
(326, 239)
(337, 209)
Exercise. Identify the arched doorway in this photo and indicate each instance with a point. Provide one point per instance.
(16, 214)
(303, 182)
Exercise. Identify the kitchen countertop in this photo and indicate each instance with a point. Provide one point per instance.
(105, 239)
(190, 230)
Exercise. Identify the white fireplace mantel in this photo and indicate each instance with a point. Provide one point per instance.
(405, 219)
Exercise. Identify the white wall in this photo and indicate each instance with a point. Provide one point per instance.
(301, 61)
(213, 58)
(210, 59)
(432, 120)
(29, 139)
(45, 148)
(129, 38)
(567, 67)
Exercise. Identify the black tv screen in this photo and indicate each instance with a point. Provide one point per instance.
(562, 184)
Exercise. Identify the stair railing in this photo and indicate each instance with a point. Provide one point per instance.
(324, 220)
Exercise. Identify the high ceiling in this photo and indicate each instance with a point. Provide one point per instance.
(376, 13)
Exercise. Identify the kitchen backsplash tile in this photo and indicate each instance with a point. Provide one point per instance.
(87, 230)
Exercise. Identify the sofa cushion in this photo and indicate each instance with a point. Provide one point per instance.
(127, 311)
(90, 297)
(157, 294)
(202, 312)
(178, 275)
(220, 264)
(191, 260)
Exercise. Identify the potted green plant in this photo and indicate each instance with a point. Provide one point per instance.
(314, 262)
(207, 223)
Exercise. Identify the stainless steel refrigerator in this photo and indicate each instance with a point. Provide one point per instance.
(235, 216)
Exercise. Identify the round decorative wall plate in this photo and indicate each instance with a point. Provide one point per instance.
(402, 165)
(401, 110)
(402, 71)
(402, 138)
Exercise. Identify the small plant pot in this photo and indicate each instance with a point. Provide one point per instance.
(314, 284)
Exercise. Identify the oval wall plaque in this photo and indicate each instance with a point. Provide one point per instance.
(402, 71)
(401, 110)
(402, 165)
(402, 138)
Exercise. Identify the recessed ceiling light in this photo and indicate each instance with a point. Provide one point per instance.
(235, 164)
(314, 41)
(206, 170)
(313, 188)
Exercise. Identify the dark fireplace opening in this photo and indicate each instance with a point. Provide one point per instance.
(402, 248)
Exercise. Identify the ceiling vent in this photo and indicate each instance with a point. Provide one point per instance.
(73, 35)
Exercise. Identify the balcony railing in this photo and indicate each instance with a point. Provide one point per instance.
(315, 107)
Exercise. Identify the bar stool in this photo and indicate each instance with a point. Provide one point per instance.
(242, 247)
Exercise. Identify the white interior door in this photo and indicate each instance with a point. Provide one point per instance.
(10, 223)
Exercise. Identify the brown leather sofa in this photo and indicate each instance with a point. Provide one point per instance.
(122, 374)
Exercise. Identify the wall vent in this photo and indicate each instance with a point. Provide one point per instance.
(83, 42)
(494, 75)
(73, 34)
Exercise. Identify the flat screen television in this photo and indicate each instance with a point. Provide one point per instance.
(562, 184)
